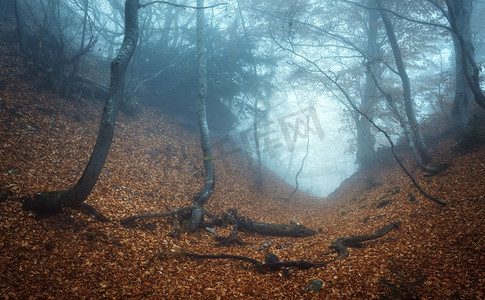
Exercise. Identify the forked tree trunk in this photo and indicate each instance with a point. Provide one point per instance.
(75, 196)
(209, 183)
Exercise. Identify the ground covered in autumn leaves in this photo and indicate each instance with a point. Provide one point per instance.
(437, 253)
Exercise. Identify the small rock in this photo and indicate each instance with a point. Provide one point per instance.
(266, 244)
(211, 230)
(315, 285)
(14, 171)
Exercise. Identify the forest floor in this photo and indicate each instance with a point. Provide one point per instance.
(45, 142)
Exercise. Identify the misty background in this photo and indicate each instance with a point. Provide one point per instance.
(283, 76)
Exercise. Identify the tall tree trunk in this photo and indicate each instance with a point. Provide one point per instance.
(365, 139)
(209, 183)
(460, 14)
(22, 29)
(256, 119)
(406, 84)
(165, 35)
(53, 201)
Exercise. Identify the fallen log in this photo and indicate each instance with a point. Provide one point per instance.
(247, 225)
(291, 230)
(231, 217)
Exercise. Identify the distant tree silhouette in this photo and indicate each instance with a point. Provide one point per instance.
(50, 43)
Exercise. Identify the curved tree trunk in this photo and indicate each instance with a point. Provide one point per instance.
(203, 195)
(75, 196)
(406, 84)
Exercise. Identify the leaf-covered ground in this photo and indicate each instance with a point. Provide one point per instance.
(45, 141)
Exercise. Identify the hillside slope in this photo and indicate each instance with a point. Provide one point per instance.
(437, 253)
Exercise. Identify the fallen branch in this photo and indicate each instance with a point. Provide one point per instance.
(179, 5)
(340, 244)
(272, 262)
(291, 230)
(379, 129)
(182, 210)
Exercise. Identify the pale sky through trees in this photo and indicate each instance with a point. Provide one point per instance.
(281, 64)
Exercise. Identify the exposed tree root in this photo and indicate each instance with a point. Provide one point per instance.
(179, 211)
(272, 262)
(231, 217)
(233, 238)
(248, 225)
(51, 203)
(88, 209)
(340, 244)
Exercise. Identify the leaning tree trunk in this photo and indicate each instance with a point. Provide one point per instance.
(406, 84)
(74, 197)
(203, 195)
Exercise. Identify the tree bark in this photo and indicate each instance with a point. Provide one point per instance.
(75, 196)
(209, 183)
(278, 229)
(256, 118)
(247, 225)
(460, 17)
(408, 132)
(365, 139)
(406, 84)
(83, 187)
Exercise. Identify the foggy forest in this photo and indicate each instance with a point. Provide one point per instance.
(242, 149)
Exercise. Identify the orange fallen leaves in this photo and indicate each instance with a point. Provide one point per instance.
(437, 252)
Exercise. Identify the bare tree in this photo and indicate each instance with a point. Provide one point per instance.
(417, 133)
(466, 70)
(55, 36)
(203, 195)
(53, 201)
(256, 119)
(365, 139)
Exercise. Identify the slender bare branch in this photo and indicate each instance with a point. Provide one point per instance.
(181, 5)
(379, 129)
(400, 16)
